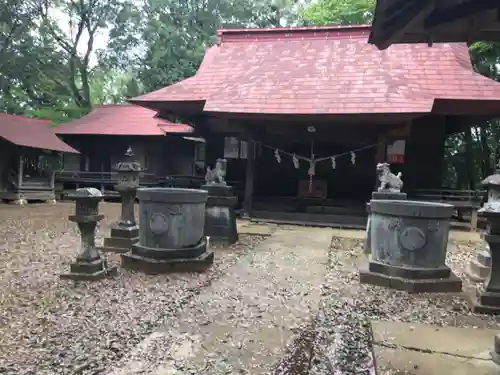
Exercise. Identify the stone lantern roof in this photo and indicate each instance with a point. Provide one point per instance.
(128, 164)
(494, 179)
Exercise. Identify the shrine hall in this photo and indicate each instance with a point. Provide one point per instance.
(304, 114)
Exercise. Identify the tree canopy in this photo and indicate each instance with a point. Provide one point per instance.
(52, 66)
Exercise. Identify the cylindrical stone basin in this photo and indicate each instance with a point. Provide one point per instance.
(410, 233)
(171, 218)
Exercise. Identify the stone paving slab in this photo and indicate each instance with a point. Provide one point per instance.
(243, 321)
(420, 349)
(256, 229)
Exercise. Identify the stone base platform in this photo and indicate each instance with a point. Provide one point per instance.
(482, 302)
(118, 245)
(411, 280)
(121, 240)
(477, 272)
(96, 270)
(169, 265)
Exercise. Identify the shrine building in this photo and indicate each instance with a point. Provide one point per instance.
(29, 156)
(304, 114)
(102, 137)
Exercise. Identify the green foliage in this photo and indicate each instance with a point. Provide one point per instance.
(339, 12)
(55, 74)
(165, 40)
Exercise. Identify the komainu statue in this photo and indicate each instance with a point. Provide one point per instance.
(388, 180)
(218, 174)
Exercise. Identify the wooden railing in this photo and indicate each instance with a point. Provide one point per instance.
(458, 198)
(181, 181)
(462, 200)
(99, 177)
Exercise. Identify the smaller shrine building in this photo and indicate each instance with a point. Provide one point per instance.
(161, 147)
(304, 114)
(29, 156)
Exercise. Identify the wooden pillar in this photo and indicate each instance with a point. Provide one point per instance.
(380, 154)
(20, 170)
(249, 179)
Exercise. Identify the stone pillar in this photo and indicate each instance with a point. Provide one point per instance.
(409, 244)
(171, 232)
(20, 171)
(125, 232)
(249, 179)
(220, 217)
(89, 265)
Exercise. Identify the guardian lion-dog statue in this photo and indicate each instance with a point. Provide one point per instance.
(216, 175)
(388, 180)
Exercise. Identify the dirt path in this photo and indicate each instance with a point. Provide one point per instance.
(242, 323)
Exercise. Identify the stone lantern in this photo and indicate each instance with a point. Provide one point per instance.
(220, 216)
(89, 265)
(125, 232)
(479, 267)
(488, 294)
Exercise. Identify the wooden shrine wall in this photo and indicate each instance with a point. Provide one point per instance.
(8, 162)
(423, 168)
(346, 181)
(160, 155)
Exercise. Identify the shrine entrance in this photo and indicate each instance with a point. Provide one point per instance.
(313, 180)
(296, 172)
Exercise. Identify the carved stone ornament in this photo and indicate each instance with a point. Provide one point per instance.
(413, 238)
(395, 223)
(158, 223)
(388, 180)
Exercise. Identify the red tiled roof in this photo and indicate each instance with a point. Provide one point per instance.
(122, 119)
(324, 70)
(31, 132)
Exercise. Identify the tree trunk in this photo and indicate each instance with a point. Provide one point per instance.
(485, 152)
(469, 159)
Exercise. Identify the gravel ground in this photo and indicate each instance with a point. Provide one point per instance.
(342, 328)
(241, 324)
(50, 326)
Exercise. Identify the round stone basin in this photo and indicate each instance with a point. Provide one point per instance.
(412, 208)
(410, 233)
(171, 218)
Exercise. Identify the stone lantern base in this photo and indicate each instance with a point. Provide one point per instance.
(487, 297)
(121, 239)
(157, 261)
(411, 280)
(95, 270)
(485, 302)
(479, 267)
